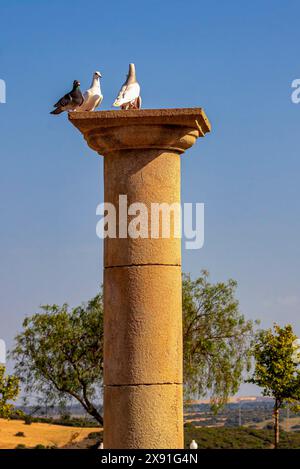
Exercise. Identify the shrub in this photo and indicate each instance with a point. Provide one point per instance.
(269, 426)
(20, 447)
(20, 434)
(28, 420)
(94, 435)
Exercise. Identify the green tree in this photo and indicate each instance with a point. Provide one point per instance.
(277, 369)
(60, 352)
(216, 339)
(9, 391)
(59, 355)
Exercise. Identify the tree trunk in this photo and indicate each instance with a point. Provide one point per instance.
(97, 416)
(91, 409)
(276, 424)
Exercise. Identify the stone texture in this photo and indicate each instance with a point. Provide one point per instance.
(148, 176)
(142, 128)
(142, 280)
(141, 149)
(143, 325)
(147, 417)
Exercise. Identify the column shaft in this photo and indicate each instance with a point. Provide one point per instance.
(143, 316)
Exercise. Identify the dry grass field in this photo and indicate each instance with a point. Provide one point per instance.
(39, 434)
(286, 424)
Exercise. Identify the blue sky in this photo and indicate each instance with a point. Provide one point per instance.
(236, 59)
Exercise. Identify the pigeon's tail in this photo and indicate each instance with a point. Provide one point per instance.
(57, 111)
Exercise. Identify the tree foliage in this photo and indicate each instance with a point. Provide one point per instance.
(9, 391)
(59, 354)
(277, 369)
(216, 339)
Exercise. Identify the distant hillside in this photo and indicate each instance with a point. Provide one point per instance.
(246, 413)
(15, 434)
(217, 438)
(233, 400)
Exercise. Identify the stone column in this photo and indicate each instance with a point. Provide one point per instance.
(143, 406)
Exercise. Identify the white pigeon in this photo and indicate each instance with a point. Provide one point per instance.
(193, 445)
(93, 96)
(129, 95)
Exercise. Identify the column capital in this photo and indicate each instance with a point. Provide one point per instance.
(161, 129)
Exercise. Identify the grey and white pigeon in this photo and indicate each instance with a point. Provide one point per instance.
(129, 95)
(71, 101)
(93, 96)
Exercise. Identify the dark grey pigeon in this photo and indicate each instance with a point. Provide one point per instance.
(71, 101)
